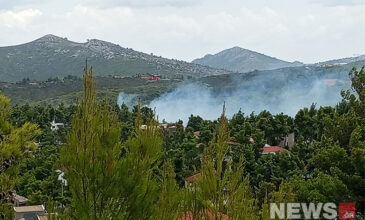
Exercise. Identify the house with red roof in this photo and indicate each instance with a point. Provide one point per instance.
(267, 149)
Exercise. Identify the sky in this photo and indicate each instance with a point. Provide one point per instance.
(305, 30)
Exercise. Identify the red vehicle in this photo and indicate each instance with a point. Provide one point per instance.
(152, 78)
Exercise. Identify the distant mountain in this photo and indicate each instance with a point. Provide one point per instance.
(52, 56)
(242, 60)
(344, 61)
(274, 81)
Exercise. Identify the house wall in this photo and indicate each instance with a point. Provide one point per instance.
(288, 141)
(28, 215)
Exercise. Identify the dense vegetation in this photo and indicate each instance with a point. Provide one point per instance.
(117, 170)
(67, 90)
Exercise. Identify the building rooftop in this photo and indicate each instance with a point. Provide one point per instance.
(272, 149)
(20, 199)
(34, 208)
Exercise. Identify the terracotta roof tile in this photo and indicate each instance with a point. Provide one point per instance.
(272, 149)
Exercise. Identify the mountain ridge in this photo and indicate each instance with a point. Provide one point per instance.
(343, 60)
(333, 78)
(53, 56)
(242, 60)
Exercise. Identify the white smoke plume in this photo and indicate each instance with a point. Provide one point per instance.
(201, 100)
(128, 99)
(250, 94)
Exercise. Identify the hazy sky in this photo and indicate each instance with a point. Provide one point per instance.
(304, 30)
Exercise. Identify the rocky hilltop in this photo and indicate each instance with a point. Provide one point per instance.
(52, 56)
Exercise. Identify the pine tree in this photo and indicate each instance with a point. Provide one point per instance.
(224, 190)
(169, 199)
(91, 155)
(16, 144)
(139, 181)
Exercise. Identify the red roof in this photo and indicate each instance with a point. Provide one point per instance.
(193, 178)
(272, 149)
(197, 133)
(209, 214)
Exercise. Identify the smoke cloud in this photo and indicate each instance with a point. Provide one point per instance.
(128, 99)
(253, 93)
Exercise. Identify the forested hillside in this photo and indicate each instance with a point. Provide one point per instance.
(56, 90)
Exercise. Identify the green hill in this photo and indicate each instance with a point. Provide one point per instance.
(67, 91)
